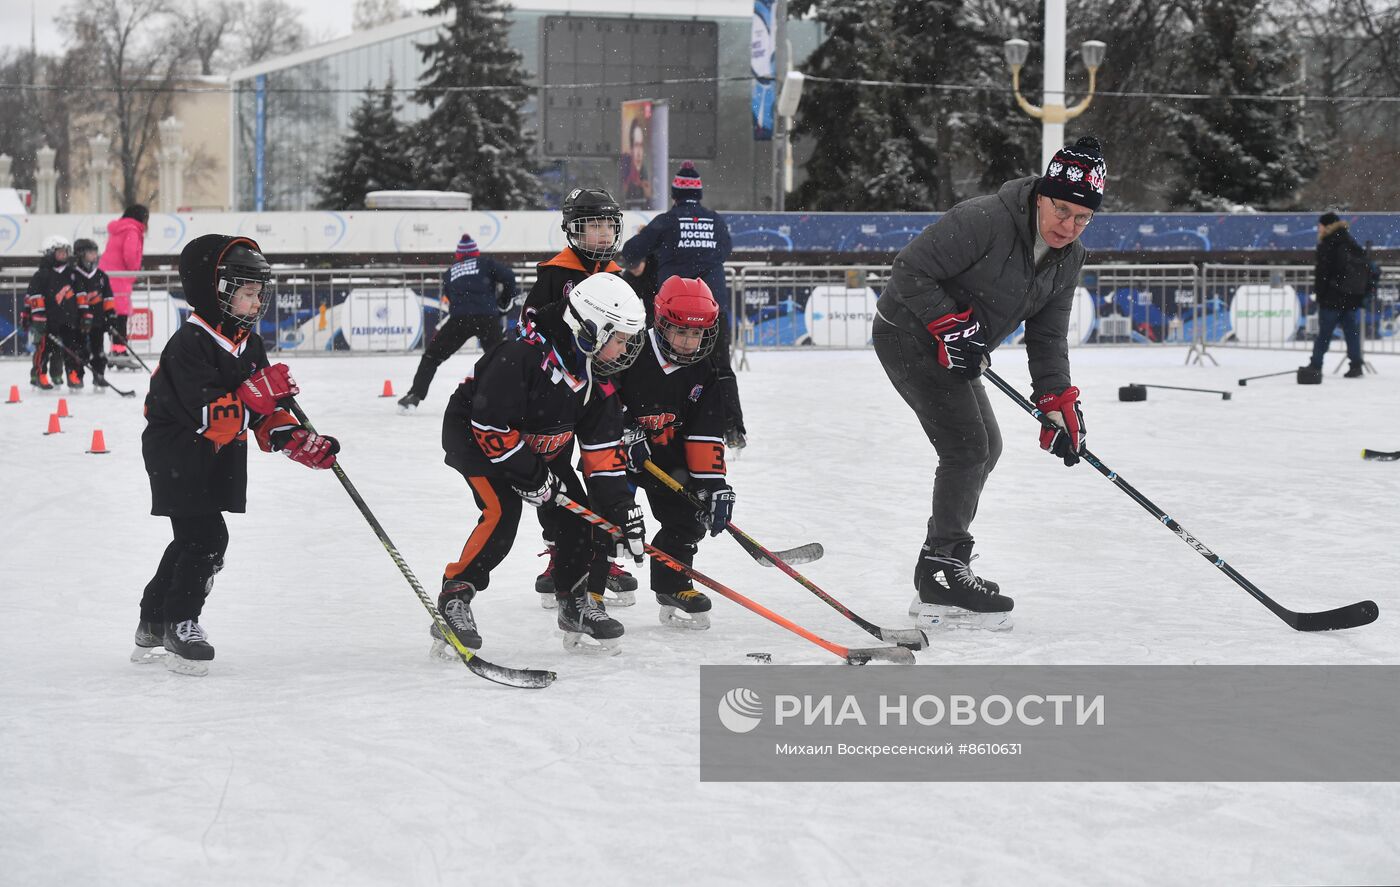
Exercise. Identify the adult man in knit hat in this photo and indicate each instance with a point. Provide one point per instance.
(955, 293)
(1341, 280)
(690, 240)
(478, 290)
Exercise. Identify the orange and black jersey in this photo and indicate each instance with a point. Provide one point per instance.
(524, 405)
(679, 405)
(556, 278)
(195, 442)
(94, 292)
(50, 297)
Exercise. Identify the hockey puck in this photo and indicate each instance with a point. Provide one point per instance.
(1309, 376)
(1132, 393)
(760, 657)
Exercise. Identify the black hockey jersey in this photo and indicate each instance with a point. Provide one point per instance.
(94, 292)
(556, 278)
(679, 406)
(50, 298)
(524, 404)
(196, 440)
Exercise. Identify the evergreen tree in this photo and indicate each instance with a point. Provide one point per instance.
(370, 158)
(1231, 151)
(891, 148)
(475, 141)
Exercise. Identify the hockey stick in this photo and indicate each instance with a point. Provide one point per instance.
(528, 678)
(801, 554)
(1349, 616)
(12, 334)
(1247, 379)
(87, 363)
(130, 350)
(1380, 455)
(852, 656)
(912, 638)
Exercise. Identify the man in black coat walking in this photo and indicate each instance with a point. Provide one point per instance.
(1341, 277)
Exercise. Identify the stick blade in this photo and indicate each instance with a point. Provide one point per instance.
(802, 554)
(900, 655)
(1350, 616)
(1380, 455)
(912, 638)
(525, 678)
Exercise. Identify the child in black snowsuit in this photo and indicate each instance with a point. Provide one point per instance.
(212, 385)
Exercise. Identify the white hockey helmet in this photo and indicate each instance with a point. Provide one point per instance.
(55, 242)
(599, 308)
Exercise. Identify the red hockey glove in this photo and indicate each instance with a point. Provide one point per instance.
(1067, 439)
(265, 387)
(961, 348)
(311, 449)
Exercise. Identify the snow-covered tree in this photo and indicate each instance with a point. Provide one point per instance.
(474, 140)
(370, 158)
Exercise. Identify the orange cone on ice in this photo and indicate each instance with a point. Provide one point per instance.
(63, 409)
(388, 389)
(99, 443)
(14, 394)
(54, 426)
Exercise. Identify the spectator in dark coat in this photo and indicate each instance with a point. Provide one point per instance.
(1341, 278)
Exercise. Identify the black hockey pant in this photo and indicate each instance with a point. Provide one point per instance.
(958, 420)
(725, 380)
(680, 533)
(186, 572)
(92, 349)
(452, 336)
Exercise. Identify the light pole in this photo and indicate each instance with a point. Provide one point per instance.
(1052, 112)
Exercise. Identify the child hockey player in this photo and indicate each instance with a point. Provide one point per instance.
(592, 225)
(510, 430)
(95, 303)
(47, 307)
(213, 383)
(672, 396)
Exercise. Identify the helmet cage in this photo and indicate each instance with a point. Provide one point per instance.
(666, 327)
(232, 277)
(55, 242)
(575, 228)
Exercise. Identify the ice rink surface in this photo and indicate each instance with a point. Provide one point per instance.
(325, 747)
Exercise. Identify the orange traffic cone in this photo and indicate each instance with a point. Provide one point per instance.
(63, 409)
(14, 394)
(388, 389)
(99, 443)
(54, 426)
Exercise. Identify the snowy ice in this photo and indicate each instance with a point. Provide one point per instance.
(325, 747)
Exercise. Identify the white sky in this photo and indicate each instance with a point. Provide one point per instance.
(325, 19)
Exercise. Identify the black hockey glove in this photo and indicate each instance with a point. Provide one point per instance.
(719, 508)
(961, 346)
(637, 447)
(628, 518)
(542, 493)
(503, 302)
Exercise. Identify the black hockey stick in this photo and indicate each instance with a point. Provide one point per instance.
(1380, 455)
(852, 656)
(912, 638)
(87, 363)
(1247, 379)
(528, 678)
(1349, 616)
(130, 350)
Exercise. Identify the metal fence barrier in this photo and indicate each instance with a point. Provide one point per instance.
(396, 310)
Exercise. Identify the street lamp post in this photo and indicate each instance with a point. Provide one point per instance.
(1052, 112)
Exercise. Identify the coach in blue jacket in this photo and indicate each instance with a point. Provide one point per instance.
(690, 240)
(478, 290)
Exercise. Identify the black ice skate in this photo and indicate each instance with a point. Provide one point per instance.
(622, 585)
(685, 609)
(544, 582)
(122, 360)
(150, 643)
(189, 648)
(75, 382)
(40, 381)
(99, 381)
(950, 595)
(586, 624)
(455, 605)
(409, 403)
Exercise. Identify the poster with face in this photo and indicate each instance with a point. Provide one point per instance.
(642, 178)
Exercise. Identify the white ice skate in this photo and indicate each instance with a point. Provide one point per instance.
(946, 616)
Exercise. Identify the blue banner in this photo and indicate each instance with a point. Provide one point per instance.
(763, 61)
(259, 140)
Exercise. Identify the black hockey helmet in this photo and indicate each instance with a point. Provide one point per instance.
(213, 267)
(81, 247)
(592, 205)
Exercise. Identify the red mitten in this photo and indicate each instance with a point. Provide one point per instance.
(311, 449)
(1066, 439)
(265, 387)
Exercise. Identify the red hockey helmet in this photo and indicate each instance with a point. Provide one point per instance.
(687, 318)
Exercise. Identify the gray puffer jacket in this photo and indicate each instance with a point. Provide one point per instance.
(981, 253)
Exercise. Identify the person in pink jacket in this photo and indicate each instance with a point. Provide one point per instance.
(126, 242)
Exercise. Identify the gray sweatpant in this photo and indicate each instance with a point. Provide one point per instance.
(957, 417)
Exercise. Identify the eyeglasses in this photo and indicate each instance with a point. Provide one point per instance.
(1062, 213)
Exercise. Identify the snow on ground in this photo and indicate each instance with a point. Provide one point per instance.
(325, 747)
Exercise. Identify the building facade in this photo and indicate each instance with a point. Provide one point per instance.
(287, 116)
